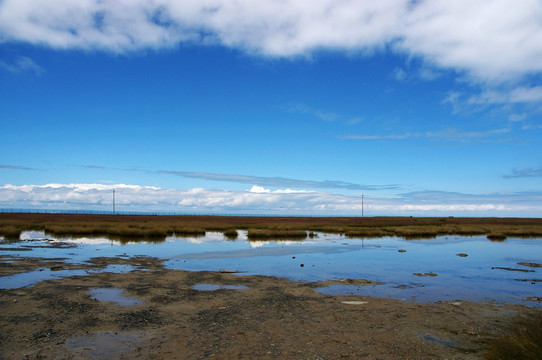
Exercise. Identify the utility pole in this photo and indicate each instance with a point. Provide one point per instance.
(362, 213)
(113, 202)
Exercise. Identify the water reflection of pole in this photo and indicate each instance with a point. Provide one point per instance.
(113, 202)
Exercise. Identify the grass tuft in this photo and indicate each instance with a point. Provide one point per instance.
(496, 237)
(523, 341)
(230, 234)
(10, 232)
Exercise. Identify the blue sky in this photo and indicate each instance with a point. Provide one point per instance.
(425, 108)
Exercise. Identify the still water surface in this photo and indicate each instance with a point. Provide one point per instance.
(490, 271)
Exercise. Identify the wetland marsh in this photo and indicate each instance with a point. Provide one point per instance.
(236, 294)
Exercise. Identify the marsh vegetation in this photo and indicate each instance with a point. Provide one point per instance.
(158, 227)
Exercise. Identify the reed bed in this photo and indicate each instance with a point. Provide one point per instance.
(147, 226)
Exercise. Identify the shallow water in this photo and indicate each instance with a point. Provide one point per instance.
(102, 345)
(485, 274)
(30, 278)
(113, 295)
(214, 287)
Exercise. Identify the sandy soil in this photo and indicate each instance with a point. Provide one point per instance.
(272, 319)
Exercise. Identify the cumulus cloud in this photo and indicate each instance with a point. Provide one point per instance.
(491, 40)
(488, 40)
(259, 200)
(146, 198)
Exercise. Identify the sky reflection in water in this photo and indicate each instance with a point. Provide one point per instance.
(334, 257)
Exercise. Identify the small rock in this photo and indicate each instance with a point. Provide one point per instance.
(355, 302)
(401, 250)
(462, 255)
(456, 303)
(301, 265)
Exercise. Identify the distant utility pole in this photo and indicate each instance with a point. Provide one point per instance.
(113, 202)
(362, 213)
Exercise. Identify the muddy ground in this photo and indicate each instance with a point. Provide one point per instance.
(272, 319)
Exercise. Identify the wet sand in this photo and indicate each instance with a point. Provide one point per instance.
(272, 318)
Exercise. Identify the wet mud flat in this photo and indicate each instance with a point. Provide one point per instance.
(241, 317)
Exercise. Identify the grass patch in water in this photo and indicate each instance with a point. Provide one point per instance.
(522, 341)
(496, 237)
(267, 234)
(10, 232)
(230, 234)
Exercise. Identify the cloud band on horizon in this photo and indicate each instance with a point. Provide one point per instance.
(259, 200)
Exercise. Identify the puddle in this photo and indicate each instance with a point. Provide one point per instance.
(113, 295)
(31, 278)
(214, 287)
(433, 339)
(102, 344)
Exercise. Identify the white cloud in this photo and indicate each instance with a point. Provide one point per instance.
(399, 74)
(489, 40)
(259, 189)
(324, 115)
(259, 200)
(518, 117)
(518, 95)
(493, 40)
(21, 65)
(449, 134)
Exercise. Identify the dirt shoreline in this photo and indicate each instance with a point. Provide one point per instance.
(273, 318)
